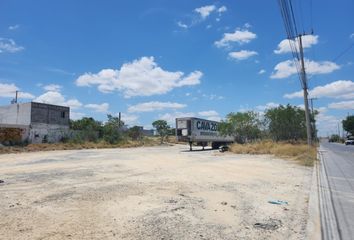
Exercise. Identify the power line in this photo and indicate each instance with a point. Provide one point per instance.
(343, 52)
(295, 42)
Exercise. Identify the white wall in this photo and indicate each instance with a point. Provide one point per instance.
(54, 132)
(19, 113)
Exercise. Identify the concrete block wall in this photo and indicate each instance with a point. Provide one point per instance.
(49, 114)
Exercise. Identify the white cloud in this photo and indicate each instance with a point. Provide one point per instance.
(130, 119)
(170, 118)
(267, 106)
(154, 106)
(182, 25)
(101, 108)
(9, 45)
(210, 115)
(242, 55)
(339, 89)
(297, 94)
(52, 87)
(142, 77)
(240, 36)
(342, 105)
(307, 42)
(287, 68)
(60, 71)
(9, 91)
(222, 9)
(351, 35)
(73, 103)
(262, 71)
(76, 115)
(247, 25)
(56, 98)
(326, 124)
(14, 27)
(205, 11)
(212, 96)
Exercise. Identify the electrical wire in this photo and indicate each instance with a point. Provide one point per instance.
(343, 52)
(289, 20)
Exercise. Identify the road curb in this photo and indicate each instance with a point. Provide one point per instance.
(313, 228)
(329, 221)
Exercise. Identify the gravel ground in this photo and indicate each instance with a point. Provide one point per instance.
(151, 193)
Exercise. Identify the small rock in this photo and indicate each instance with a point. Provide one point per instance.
(2, 181)
(271, 224)
(224, 203)
(11, 206)
(233, 206)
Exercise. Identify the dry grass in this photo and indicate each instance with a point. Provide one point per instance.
(147, 141)
(299, 152)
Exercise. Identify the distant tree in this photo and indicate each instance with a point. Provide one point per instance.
(85, 123)
(135, 133)
(286, 123)
(243, 126)
(334, 138)
(112, 130)
(348, 124)
(88, 129)
(162, 128)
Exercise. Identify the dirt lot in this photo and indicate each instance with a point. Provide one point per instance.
(151, 193)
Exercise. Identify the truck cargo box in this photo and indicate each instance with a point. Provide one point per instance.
(201, 131)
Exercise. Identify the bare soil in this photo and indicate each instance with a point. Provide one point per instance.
(151, 193)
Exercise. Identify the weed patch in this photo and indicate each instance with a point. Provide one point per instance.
(298, 152)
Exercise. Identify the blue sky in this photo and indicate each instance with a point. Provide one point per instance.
(163, 59)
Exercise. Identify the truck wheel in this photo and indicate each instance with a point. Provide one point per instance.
(215, 145)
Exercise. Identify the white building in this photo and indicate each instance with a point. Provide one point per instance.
(35, 122)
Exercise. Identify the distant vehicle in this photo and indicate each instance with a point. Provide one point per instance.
(349, 141)
(200, 131)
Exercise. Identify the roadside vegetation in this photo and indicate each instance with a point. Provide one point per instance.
(348, 126)
(87, 133)
(281, 131)
(70, 145)
(299, 152)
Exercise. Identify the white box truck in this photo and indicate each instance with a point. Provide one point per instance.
(200, 131)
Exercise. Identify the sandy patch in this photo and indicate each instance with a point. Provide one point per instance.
(151, 193)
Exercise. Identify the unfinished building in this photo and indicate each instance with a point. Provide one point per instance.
(33, 122)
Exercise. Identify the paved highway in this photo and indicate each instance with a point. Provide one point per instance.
(336, 190)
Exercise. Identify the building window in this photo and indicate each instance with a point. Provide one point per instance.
(63, 114)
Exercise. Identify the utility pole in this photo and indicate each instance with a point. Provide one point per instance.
(314, 122)
(13, 101)
(304, 86)
(119, 119)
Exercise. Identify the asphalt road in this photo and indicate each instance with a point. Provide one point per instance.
(336, 190)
